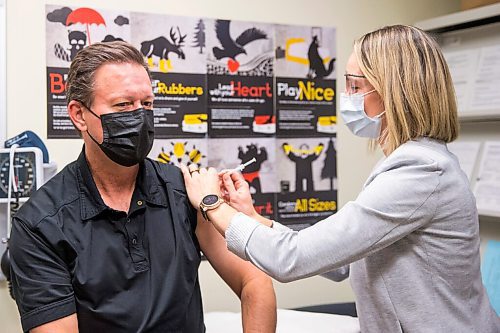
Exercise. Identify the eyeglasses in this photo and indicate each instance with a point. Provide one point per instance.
(355, 83)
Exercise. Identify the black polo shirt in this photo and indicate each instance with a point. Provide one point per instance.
(120, 272)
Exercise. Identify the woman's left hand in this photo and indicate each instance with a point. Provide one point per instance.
(200, 182)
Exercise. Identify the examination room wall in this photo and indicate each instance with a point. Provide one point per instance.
(26, 100)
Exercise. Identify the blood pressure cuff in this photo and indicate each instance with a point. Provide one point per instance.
(29, 139)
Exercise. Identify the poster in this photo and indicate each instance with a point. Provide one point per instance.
(240, 64)
(305, 81)
(226, 92)
(260, 175)
(68, 30)
(174, 49)
(307, 178)
(180, 151)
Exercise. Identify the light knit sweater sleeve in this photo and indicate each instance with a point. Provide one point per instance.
(401, 197)
(248, 226)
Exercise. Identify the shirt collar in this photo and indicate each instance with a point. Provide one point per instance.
(148, 187)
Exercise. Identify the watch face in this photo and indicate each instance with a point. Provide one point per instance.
(210, 199)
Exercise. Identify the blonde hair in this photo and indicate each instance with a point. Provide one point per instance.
(407, 69)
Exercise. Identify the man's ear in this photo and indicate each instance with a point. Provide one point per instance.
(75, 111)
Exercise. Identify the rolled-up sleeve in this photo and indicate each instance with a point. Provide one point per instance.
(40, 277)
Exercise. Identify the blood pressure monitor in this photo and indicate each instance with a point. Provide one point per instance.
(28, 172)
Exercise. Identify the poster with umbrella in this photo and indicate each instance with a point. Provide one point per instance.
(87, 16)
(68, 31)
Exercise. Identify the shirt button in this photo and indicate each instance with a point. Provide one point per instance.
(139, 203)
(128, 220)
(134, 241)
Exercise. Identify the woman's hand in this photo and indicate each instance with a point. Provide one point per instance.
(237, 192)
(200, 182)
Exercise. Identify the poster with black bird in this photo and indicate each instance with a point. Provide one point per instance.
(260, 173)
(174, 48)
(307, 177)
(263, 93)
(240, 63)
(305, 81)
(180, 151)
(68, 30)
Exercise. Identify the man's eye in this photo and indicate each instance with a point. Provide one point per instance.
(147, 104)
(123, 104)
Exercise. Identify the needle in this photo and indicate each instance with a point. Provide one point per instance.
(243, 165)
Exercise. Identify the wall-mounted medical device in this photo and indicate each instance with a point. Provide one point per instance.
(27, 168)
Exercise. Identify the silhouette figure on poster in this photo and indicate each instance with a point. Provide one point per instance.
(77, 41)
(329, 169)
(303, 158)
(251, 172)
(317, 69)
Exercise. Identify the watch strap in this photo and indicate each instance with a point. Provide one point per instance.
(204, 213)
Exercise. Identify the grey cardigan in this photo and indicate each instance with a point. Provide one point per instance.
(411, 237)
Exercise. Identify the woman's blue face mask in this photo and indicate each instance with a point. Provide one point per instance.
(352, 110)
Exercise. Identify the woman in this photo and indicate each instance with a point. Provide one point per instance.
(411, 236)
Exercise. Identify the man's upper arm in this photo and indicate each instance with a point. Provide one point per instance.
(235, 271)
(67, 324)
(40, 278)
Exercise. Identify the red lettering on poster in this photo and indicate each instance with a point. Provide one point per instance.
(267, 208)
(252, 91)
(56, 83)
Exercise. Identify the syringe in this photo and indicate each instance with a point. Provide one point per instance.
(242, 166)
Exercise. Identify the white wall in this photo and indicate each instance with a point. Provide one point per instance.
(3, 74)
(26, 103)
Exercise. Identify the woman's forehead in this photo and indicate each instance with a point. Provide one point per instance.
(352, 66)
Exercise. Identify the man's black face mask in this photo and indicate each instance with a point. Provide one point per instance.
(127, 136)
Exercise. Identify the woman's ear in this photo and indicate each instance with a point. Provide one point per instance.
(75, 111)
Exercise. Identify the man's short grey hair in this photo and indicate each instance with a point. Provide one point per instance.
(80, 81)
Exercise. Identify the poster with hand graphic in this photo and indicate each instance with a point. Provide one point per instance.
(305, 81)
(174, 49)
(259, 174)
(68, 30)
(180, 151)
(240, 64)
(307, 179)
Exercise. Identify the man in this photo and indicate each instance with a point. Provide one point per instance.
(111, 243)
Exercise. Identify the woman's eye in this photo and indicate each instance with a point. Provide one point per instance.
(352, 89)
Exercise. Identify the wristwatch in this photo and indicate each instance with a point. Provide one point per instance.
(209, 202)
